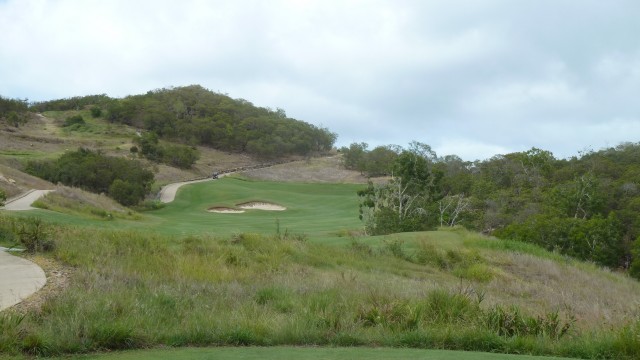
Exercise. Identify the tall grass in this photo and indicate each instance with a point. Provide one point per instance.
(134, 289)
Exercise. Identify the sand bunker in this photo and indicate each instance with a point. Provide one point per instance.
(224, 210)
(255, 205)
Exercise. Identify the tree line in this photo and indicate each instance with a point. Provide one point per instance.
(587, 206)
(13, 111)
(126, 181)
(194, 115)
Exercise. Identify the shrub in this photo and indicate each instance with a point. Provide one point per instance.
(3, 197)
(96, 111)
(149, 205)
(96, 172)
(34, 234)
(395, 248)
(125, 192)
(74, 120)
(179, 156)
(511, 322)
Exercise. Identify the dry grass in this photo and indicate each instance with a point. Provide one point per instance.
(79, 202)
(596, 297)
(14, 182)
(318, 170)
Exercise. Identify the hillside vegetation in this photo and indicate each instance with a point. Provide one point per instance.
(587, 206)
(196, 116)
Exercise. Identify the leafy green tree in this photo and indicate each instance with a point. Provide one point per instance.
(126, 193)
(180, 156)
(96, 172)
(380, 161)
(149, 146)
(354, 156)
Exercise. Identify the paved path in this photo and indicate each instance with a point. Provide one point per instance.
(24, 201)
(19, 278)
(168, 192)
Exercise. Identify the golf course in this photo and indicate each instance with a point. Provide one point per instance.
(299, 274)
(279, 257)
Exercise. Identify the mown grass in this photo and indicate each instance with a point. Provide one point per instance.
(306, 353)
(318, 210)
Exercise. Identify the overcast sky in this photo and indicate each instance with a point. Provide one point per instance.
(473, 78)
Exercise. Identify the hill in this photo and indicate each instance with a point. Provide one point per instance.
(196, 116)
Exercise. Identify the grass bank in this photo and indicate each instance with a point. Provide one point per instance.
(135, 289)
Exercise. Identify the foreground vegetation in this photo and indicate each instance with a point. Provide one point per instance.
(449, 290)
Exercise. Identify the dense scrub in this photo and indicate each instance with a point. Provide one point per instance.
(126, 181)
(196, 116)
(13, 111)
(586, 206)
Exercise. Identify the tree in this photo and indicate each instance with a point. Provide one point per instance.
(392, 208)
(126, 193)
(354, 157)
(452, 208)
(96, 172)
(379, 161)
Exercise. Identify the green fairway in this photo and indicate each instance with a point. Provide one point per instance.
(305, 353)
(321, 211)
(315, 209)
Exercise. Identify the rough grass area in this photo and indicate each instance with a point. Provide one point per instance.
(316, 170)
(82, 203)
(139, 289)
(14, 182)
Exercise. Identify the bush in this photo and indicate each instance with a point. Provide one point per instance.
(125, 192)
(74, 120)
(149, 205)
(511, 322)
(34, 234)
(96, 112)
(3, 197)
(96, 172)
(180, 156)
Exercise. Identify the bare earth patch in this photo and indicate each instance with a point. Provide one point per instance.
(256, 205)
(224, 210)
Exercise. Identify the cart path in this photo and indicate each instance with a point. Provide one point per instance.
(23, 202)
(19, 278)
(168, 192)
